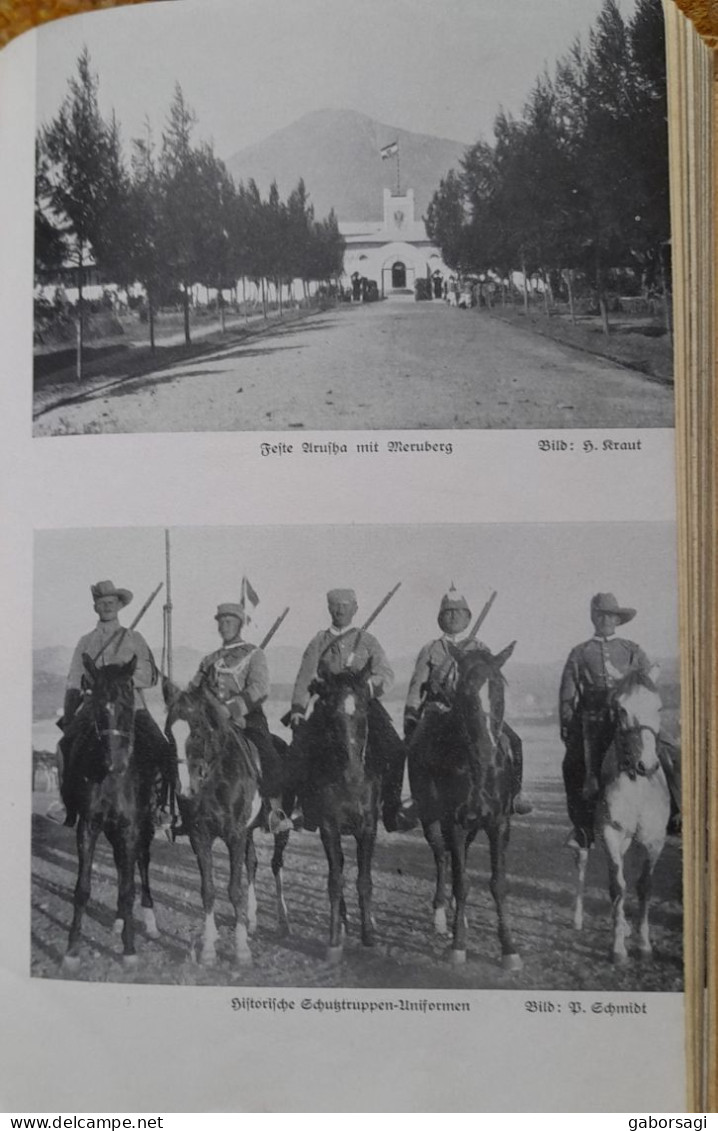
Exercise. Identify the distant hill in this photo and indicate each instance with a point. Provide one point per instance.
(337, 154)
(531, 692)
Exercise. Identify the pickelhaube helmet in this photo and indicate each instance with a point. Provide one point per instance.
(453, 600)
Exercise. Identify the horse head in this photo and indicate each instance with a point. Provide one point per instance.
(344, 703)
(479, 695)
(636, 705)
(112, 704)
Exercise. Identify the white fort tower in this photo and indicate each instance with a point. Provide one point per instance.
(394, 252)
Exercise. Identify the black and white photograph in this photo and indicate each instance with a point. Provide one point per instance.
(337, 216)
(398, 756)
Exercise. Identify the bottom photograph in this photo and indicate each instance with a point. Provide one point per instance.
(403, 757)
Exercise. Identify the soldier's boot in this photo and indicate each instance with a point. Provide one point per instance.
(520, 805)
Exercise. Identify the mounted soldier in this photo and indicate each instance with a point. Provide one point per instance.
(110, 643)
(238, 676)
(586, 711)
(338, 648)
(433, 684)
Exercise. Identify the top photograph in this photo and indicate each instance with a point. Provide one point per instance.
(325, 215)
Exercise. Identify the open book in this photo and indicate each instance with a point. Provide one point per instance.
(352, 355)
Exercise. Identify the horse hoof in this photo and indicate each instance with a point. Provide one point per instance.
(645, 953)
(244, 958)
(252, 928)
(457, 957)
(208, 958)
(129, 961)
(440, 926)
(334, 954)
(512, 962)
(368, 940)
(151, 927)
(619, 957)
(578, 924)
(71, 963)
(117, 926)
(283, 930)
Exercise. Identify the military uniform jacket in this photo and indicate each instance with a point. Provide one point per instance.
(436, 671)
(330, 652)
(592, 671)
(237, 674)
(127, 644)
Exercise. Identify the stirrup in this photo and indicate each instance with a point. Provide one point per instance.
(279, 822)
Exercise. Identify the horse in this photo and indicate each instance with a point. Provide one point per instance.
(223, 801)
(341, 791)
(113, 788)
(461, 777)
(633, 806)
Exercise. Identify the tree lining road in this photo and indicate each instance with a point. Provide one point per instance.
(386, 366)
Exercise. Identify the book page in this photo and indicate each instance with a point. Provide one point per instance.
(418, 447)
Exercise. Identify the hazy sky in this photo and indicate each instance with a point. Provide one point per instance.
(545, 576)
(250, 67)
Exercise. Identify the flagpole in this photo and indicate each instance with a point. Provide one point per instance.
(398, 173)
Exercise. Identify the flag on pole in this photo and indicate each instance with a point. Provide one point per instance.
(389, 150)
(249, 596)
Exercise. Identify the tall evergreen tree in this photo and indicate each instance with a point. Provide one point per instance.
(78, 150)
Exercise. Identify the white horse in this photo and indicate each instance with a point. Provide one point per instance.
(633, 806)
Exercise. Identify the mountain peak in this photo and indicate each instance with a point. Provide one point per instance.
(337, 153)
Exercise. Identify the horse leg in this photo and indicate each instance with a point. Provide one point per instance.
(616, 843)
(148, 907)
(335, 858)
(365, 851)
(644, 887)
(86, 841)
(238, 899)
(125, 853)
(460, 889)
(250, 861)
(432, 833)
(581, 856)
(280, 843)
(498, 843)
(202, 846)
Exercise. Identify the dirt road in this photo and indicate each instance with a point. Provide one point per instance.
(390, 365)
(407, 954)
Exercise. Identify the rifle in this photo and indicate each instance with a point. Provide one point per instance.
(121, 631)
(274, 628)
(370, 620)
(481, 618)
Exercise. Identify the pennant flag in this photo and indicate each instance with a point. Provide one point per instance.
(389, 150)
(248, 593)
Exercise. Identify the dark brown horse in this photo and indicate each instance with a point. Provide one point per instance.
(222, 802)
(461, 779)
(113, 792)
(342, 790)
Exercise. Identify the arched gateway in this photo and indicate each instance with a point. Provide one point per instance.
(393, 253)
